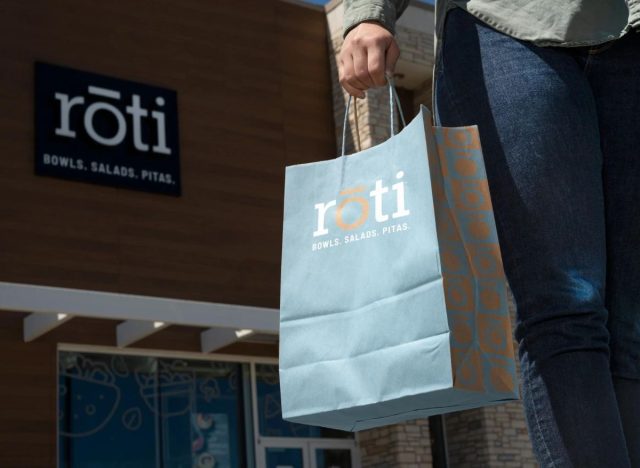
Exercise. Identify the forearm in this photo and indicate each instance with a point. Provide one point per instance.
(385, 12)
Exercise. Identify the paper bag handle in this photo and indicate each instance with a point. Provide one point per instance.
(392, 95)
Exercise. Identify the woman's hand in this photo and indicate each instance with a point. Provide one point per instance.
(368, 52)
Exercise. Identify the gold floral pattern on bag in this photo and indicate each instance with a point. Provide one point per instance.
(473, 277)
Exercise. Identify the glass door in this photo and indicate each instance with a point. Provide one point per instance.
(284, 444)
(280, 457)
(306, 454)
(283, 454)
(334, 454)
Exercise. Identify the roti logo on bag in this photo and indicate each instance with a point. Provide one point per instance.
(356, 202)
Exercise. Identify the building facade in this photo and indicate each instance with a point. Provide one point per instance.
(141, 224)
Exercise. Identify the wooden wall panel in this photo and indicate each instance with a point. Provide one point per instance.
(254, 94)
(27, 398)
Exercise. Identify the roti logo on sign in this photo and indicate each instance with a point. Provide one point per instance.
(66, 104)
(106, 130)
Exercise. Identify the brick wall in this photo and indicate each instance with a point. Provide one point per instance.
(404, 445)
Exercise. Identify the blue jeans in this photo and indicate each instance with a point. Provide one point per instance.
(560, 131)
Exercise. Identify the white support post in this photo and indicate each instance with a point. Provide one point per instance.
(39, 323)
(216, 338)
(130, 331)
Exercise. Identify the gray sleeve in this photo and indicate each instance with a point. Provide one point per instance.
(386, 12)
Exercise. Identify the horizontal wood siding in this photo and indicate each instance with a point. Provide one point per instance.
(253, 85)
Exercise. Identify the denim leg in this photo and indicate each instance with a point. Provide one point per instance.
(628, 395)
(614, 74)
(538, 127)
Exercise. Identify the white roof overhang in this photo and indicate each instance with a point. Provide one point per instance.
(50, 306)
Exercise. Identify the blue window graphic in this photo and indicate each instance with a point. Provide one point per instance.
(138, 411)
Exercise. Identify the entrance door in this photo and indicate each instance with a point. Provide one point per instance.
(332, 454)
(276, 453)
(296, 453)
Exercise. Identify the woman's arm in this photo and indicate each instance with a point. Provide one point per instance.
(385, 12)
(369, 49)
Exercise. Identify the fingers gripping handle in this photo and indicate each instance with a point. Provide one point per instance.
(393, 95)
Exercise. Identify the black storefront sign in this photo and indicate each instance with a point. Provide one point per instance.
(106, 130)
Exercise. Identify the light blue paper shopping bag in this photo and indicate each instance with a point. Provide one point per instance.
(393, 298)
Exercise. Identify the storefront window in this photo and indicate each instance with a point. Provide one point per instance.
(137, 411)
(127, 411)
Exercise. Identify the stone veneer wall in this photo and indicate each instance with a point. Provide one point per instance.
(400, 445)
(494, 436)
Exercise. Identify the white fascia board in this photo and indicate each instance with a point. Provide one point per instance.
(116, 306)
